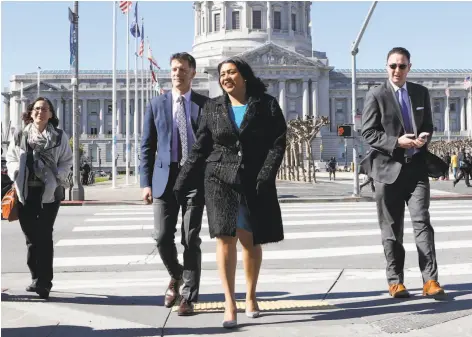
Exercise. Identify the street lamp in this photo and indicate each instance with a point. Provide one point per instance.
(99, 158)
(354, 52)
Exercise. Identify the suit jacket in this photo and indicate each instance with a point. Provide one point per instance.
(156, 141)
(235, 161)
(382, 125)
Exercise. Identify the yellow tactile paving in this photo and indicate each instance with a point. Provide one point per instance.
(277, 305)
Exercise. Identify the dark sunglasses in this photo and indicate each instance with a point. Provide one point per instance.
(395, 65)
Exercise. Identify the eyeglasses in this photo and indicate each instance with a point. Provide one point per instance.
(394, 66)
(38, 108)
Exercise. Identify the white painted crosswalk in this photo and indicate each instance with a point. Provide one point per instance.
(327, 235)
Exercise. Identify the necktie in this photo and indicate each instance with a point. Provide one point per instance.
(403, 99)
(182, 128)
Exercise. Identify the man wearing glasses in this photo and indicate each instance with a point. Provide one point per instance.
(397, 123)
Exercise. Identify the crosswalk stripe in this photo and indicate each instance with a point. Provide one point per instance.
(288, 236)
(268, 255)
(290, 223)
(271, 277)
(313, 213)
(323, 206)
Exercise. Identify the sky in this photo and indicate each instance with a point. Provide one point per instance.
(37, 33)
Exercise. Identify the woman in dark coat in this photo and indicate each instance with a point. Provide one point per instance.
(240, 145)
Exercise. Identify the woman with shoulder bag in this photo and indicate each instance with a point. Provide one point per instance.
(39, 159)
(240, 144)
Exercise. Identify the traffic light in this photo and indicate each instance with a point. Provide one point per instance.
(345, 130)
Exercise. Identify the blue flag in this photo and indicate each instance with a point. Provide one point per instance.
(134, 29)
(72, 40)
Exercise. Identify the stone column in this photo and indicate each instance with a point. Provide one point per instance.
(243, 22)
(118, 116)
(223, 24)
(196, 18)
(269, 23)
(306, 100)
(289, 11)
(6, 113)
(282, 100)
(462, 112)
(348, 118)
(207, 17)
(332, 113)
(102, 115)
(85, 116)
(314, 98)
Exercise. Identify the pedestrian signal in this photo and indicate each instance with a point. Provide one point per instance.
(345, 130)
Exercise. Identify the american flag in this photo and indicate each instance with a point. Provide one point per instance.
(150, 58)
(467, 83)
(447, 92)
(125, 6)
(141, 45)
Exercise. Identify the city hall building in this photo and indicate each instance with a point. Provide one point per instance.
(275, 38)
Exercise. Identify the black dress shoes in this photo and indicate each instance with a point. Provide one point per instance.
(172, 293)
(43, 292)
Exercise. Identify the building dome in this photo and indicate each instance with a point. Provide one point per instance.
(228, 28)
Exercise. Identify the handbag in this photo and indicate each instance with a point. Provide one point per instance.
(10, 205)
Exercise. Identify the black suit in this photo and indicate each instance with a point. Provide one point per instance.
(400, 179)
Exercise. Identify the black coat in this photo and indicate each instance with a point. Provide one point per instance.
(255, 151)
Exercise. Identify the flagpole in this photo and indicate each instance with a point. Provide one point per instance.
(142, 78)
(113, 117)
(470, 105)
(39, 81)
(447, 117)
(127, 100)
(136, 96)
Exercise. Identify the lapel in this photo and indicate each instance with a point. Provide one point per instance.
(416, 118)
(168, 112)
(393, 98)
(251, 112)
(194, 110)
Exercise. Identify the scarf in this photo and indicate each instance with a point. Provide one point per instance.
(43, 156)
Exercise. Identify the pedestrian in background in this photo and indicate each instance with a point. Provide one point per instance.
(240, 145)
(39, 159)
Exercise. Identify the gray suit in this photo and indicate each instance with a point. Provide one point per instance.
(159, 173)
(400, 179)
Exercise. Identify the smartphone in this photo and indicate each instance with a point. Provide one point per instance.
(423, 135)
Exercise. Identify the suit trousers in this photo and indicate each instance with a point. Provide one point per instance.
(37, 225)
(411, 188)
(166, 210)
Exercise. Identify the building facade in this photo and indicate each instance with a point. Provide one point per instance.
(275, 38)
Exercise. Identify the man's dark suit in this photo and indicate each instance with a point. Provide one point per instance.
(400, 179)
(159, 173)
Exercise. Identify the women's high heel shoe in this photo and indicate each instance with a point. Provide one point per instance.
(230, 324)
(253, 314)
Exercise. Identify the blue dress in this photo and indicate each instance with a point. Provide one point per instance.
(244, 220)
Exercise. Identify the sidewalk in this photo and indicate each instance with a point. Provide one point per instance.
(324, 190)
(338, 302)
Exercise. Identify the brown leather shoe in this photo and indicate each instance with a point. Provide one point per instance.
(185, 308)
(432, 288)
(172, 293)
(398, 290)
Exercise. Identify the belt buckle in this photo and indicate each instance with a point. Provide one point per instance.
(407, 160)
